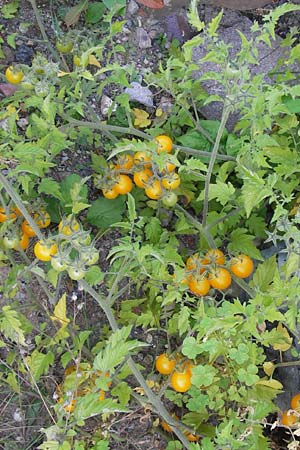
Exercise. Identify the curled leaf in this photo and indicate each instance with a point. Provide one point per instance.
(141, 118)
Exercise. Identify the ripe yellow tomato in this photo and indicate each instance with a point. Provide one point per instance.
(165, 143)
(23, 242)
(42, 219)
(110, 193)
(214, 256)
(140, 178)
(44, 250)
(14, 75)
(220, 278)
(295, 402)
(154, 190)
(68, 225)
(199, 286)
(288, 420)
(13, 213)
(124, 162)
(164, 364)
(171, 181)
(124, 184)
(241, 266)
(26, 228)
(142, 159)
(181, 381)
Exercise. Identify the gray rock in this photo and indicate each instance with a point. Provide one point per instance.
(132, 7)
(140, 94)
(143, 38)
(228, 32)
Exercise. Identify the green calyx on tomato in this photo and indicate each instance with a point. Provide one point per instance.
(170, 199)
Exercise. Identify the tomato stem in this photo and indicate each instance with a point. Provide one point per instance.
(225, 114)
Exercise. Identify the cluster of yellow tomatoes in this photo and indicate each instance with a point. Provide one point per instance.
(208, 271)
(19, 237)
(145, 175)
(70, 250)
(79, 381)
(288, 418)
(180, 380)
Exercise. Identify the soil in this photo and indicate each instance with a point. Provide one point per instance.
(23, 415)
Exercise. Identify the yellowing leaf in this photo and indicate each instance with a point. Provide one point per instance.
(61, 73)
(141, 118)
(273, 384)
(60, 311)
(268, 368)
(159, 112)
(286, 345)
(93, 61)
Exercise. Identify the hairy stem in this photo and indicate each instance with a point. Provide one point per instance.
(192, 151)
(213, 156)
(197, 225)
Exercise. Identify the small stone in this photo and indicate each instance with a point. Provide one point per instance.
(132, 7)
(140, 94)
(22, 123)
(105, 104)
(143, 39)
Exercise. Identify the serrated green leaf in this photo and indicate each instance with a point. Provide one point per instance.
(94, 12)
(50, 187)
(153, 230)
(94, 276)
(39, 363)
(131, 208)
(191, 347)
(123, 392)
(104, 212)
(11, 40)
(116, 350)
(11, 325)
(213, 25)
(264, 274)
(242, 242)
(89, 405)
(183, 320)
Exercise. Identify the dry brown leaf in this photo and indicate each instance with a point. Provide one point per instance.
(154, 4)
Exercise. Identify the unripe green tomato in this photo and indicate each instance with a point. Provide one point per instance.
(170, 199)
(10, 241)
(64, 47)
(58, 264)
(89, 257)
(76, 273)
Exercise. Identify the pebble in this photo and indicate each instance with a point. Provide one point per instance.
(132, 7)
(139, 93)
(143, 38)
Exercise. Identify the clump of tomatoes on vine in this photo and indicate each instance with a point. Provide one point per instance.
(212, 271)
(139, 169)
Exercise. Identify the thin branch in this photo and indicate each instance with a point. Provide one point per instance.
(213, 156)
(193, 151)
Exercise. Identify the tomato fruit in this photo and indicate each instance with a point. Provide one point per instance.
(214, 256)
(165, 426)
(142, 159)
(14, 75)
(124, 162)
(171, 181)
(64, 47)
(195, 263)
(199, 286)
(164, 364)
(76, 272)
(288, 419)
(165, 143)
(101, 395)
(191, 437)
(124, 184)
(220, 278)
(110, 193)
(241, 266)
(181, 381)
(154, 190)
(68, 225)
(26, 228)
(10, 241)
(89, 256)
(169, 167)
(295, 402)
(42, 219)
(22, 243)
(12, 214)
(71, 406)
(170, 199)
(58, 263)
(140, 178)
(45, 250)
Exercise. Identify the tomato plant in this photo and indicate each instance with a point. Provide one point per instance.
(140, 178)
(68, 225)
(169, 199)
(295, 402)
(125, 162)
(289, 419)
(27, 229)
(110, 193)
(64, 46)
(214, 256)
(199, 286)
(171, 181)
